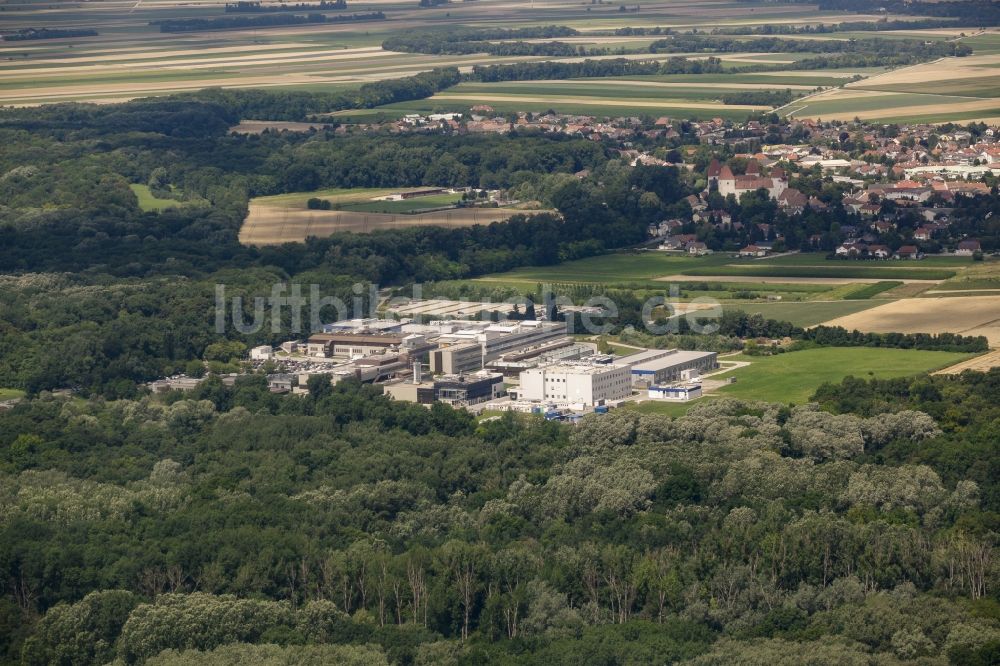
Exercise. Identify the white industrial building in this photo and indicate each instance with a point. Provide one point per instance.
(469, 346)
(262, 353)
(576, 384)
(664, 366)
(681, 393)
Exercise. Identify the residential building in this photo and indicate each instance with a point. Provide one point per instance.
(968, 247)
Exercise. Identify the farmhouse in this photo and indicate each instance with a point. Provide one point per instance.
(753, 251)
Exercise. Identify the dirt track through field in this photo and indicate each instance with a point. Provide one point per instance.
(978, 364)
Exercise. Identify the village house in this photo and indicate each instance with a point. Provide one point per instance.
(968, 247)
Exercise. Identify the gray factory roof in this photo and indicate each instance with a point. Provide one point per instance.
(676, 358)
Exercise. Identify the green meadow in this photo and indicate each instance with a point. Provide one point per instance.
(149, 202)
(793, 377)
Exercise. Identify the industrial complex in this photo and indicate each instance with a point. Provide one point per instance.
(526, 366)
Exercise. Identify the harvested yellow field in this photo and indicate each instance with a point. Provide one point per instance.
(924, 110)
(971, 315)
(944, 69)
(977, 364)
(270, 225)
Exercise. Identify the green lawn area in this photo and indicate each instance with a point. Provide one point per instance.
(344, 196)
(795, 376)
(807, 313)
(416, 205)
(9, 393)
(148, 202)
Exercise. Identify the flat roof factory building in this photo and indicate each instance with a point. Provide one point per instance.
(672, 366)
(576, 384)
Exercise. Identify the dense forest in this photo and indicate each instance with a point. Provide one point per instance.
(231, 523)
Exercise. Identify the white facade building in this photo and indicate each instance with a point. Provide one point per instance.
(576, 384)
(676, 393)
(262, 353)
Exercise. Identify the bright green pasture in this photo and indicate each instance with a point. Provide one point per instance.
(795, 376)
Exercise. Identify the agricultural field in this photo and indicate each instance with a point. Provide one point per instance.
(723, 267)
(971, 315)
(946, 89)
(131, 58)
(285, 218)
(804, 314)
(804, 289)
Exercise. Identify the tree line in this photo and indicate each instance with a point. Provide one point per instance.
(254, 6)
(534, 71)
(271, 20)
(494, 41)
(914, 48)
(28, 34)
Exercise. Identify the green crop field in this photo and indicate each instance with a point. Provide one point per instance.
(826, 77)
(818, 259)
(871, 290)
(856, 270)
(809, 313)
